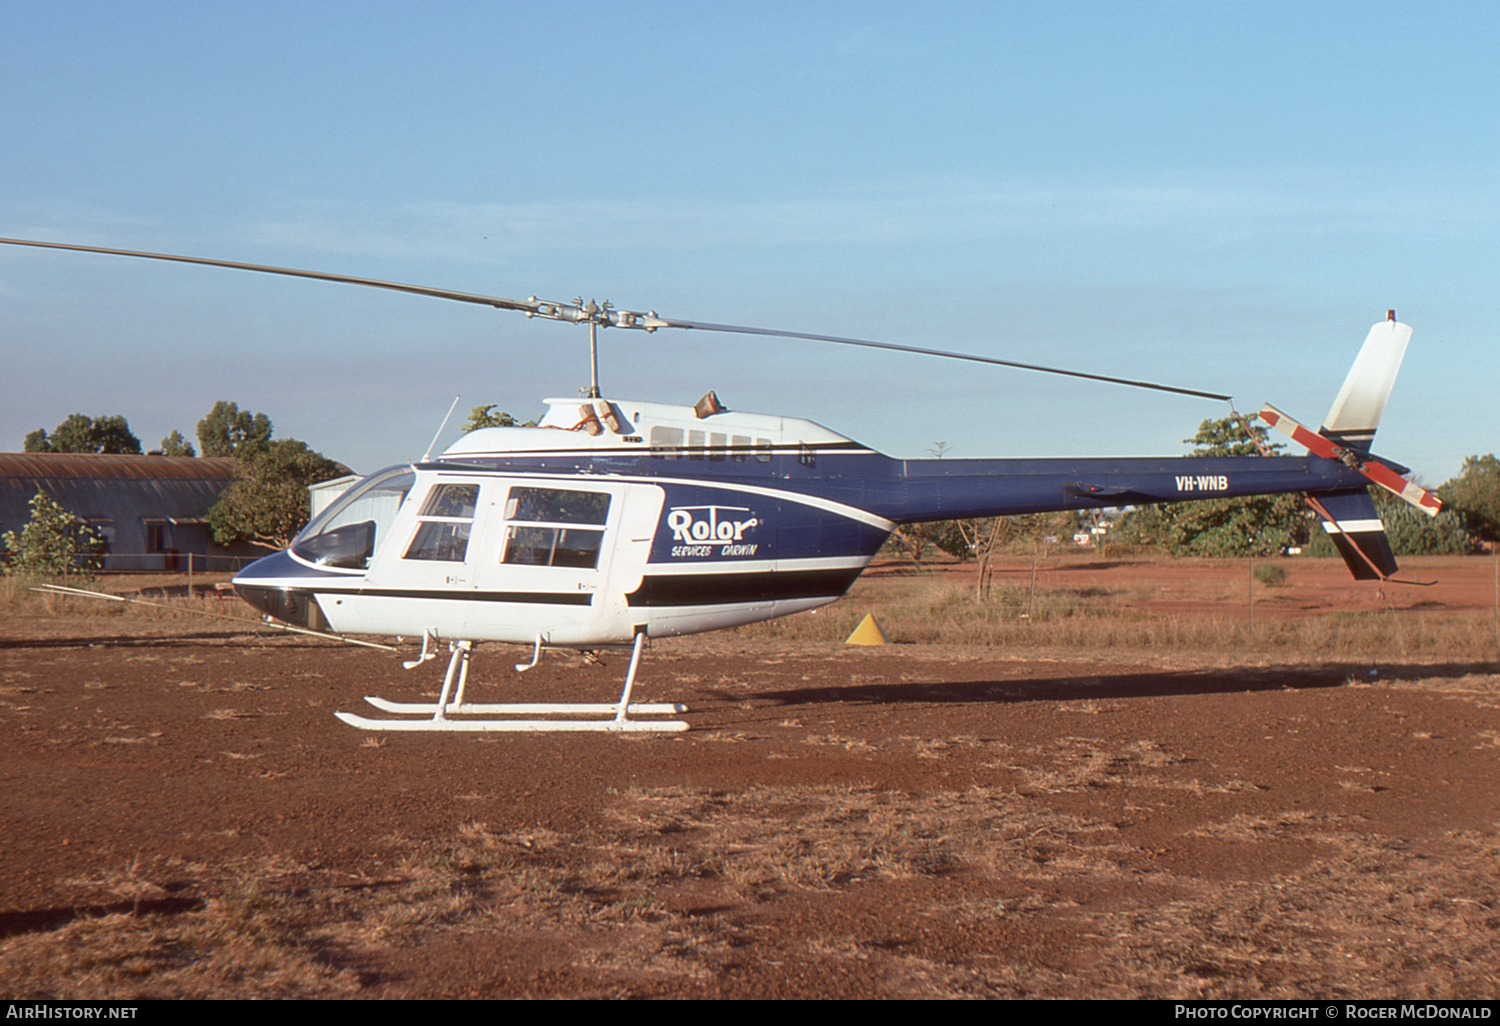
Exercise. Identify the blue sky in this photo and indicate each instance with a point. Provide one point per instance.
(1218, 195)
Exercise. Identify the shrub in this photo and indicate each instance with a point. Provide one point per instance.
(1270, 575)
(54, 543)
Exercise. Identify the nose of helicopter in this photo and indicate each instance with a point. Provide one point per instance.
(271, 586)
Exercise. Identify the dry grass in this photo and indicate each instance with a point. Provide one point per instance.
(17, 598)
(252, 939)
(1372, 919)
(1479, 689)
(1361, 916)
(932, 611)
(1368, 918)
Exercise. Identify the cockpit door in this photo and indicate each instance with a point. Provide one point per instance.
(424, 578)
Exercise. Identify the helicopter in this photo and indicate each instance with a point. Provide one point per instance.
(613, 521)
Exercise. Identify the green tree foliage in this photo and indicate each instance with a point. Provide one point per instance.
(1262, 525)
(230, 431)
(1228, 437)
(54, 543)
(1413, 533)
(175, 445)
(86, 434)
(1409, 531)
(484, 417)
(268, 504)
(1474, 497)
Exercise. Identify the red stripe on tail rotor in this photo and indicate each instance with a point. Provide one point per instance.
(1378, 473)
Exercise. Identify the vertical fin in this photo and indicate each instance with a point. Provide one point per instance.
(1356, 412)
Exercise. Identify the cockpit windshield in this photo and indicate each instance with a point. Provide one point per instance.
(345, 534)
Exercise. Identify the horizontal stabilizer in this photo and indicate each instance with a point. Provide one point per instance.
(1355, 528)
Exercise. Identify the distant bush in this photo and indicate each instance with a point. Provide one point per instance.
(1270, 575)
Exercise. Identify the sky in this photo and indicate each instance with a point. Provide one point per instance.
(1220, 196)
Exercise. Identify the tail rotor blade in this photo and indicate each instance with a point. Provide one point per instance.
(1378, 473)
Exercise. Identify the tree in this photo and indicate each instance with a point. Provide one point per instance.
(54, 543)
(1474, 495)
(175, 445)
(481, 417)
(1228, 437)
(1409, 531)
(268, 504)
(1413, 533)
(1260, 525)
(230, 431)
(84, 434)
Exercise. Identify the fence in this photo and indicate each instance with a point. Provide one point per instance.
(172, 561)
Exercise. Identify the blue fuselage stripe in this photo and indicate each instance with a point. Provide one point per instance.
(912, 491)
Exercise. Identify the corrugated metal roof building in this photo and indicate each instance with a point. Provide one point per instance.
(149, 509)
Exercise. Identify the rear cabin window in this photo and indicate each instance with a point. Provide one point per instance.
(444, 523)
(665, 441)
(555, 527)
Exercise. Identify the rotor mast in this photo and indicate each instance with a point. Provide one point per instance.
(593, 361)
(596, 315)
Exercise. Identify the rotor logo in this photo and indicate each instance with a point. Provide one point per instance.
(698, 530)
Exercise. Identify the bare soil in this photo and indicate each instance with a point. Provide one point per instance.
(182, 815)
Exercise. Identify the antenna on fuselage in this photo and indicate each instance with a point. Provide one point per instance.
(428, 454)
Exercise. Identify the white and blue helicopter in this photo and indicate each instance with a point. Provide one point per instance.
(613, 521)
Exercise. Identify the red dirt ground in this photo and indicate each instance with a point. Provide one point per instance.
(182, 815)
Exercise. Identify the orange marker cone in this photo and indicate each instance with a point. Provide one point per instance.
(868, 633)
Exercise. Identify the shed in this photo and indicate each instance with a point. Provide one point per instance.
(150, 510)
(321, 495)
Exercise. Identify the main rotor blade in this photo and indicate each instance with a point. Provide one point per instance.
(420, 290)
(607, 316)
(940, 352)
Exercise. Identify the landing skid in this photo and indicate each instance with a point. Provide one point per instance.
(608, 716)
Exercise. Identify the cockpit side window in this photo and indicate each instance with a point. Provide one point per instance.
(344, 535)
(444, 524)
(452, 500)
